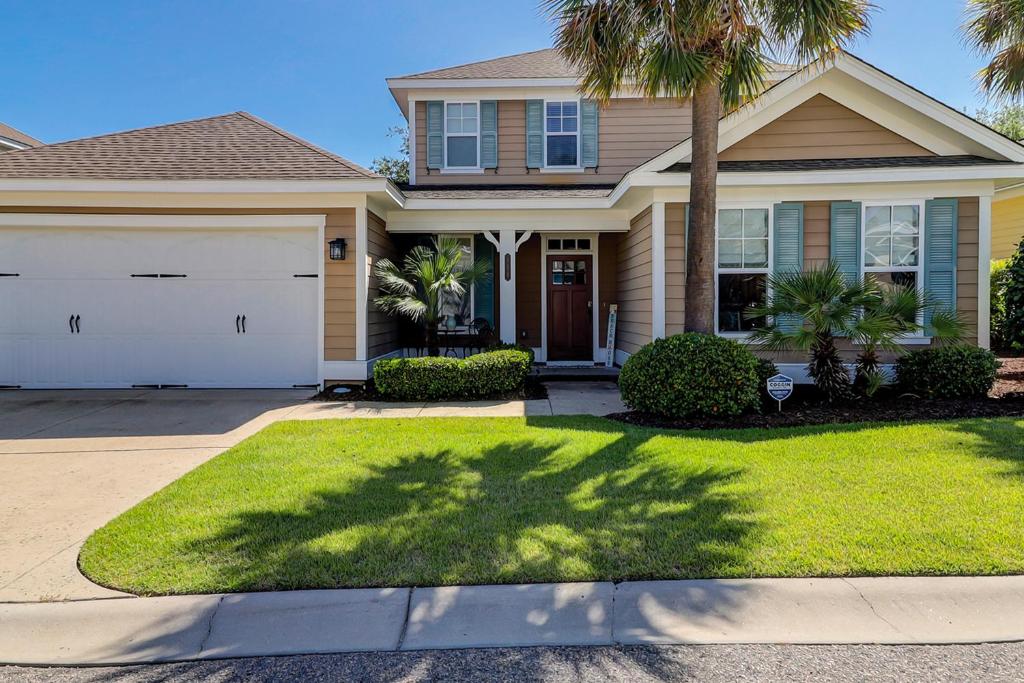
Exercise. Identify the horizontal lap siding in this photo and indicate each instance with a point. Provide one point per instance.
(634, 284)
(381, 330)
(821, 128)
(630, 132)
(675, 267)
(340, 288)
(1007, 226)
(967, 265)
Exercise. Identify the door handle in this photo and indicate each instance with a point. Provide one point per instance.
(243, 324)
(238, 319)
(78, 327)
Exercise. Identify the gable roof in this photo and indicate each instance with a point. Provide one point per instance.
(546, 63)
(16, 136)
(237, 146)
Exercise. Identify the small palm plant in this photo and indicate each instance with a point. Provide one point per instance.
(428, 276)
(828, 307)
(809, 310)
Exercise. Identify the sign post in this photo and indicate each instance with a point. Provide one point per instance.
(609, 346)
(780, 388)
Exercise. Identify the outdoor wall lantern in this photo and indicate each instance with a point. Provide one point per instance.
(337, 247)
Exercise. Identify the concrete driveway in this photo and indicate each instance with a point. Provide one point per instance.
(72, 460)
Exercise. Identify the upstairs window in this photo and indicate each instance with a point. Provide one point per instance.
(742, 267)
(462, 134)
(561, 133)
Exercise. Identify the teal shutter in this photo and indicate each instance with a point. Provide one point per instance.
(488, 134)
(483, 301)
(534, 133)
(435, 134)
(588, 131)
(940, 235)
(844, 238)
(788, 249)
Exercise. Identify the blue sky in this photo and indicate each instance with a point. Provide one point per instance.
(317, 67)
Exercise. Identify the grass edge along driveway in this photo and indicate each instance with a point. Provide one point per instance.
(424, 502)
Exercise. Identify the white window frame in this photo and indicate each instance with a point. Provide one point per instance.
(462, 169)
(919, 268)
(579, 134)
(769, 206)
(459, 329)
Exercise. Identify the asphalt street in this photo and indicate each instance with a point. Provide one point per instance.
(985, 662)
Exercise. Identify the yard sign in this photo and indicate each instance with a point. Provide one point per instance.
(780, 387)
(613, 316)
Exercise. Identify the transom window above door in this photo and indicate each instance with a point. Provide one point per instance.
(462, 134)
(892, 244)
(569, 244)
(561, 133)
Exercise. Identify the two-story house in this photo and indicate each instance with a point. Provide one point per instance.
(226, 252)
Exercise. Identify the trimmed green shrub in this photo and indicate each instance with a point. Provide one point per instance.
(948, 372)
(435, 378)
(504, 346)
(1013, 302)
(691, 375)
(999, 276)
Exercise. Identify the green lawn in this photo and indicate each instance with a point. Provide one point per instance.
(463, 501)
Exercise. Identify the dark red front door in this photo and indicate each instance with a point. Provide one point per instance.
(570, 308)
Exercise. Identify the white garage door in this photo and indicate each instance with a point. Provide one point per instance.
(124, 307)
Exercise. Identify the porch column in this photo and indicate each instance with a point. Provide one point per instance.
(507, 246)
(657, 270)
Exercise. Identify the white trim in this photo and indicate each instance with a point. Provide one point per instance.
(984, 258)
(353, 370)
(411, 120)
(578, 167)
(13, 144)
(460, 170)
(79, 220)
(362, 283)
(507, 247)
(353, 185)
(919, 269)
(767, 271)
(321, 321)
(595, 290)
(595, 245)
(658, 270)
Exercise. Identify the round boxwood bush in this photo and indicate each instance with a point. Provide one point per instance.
(947, 372)
(690, 375)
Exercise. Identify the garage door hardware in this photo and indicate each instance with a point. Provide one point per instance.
(19, 275)
(156, 275)
(159, 386)
(10, 386)
(239, 324)
(305, 275)
(74, 322)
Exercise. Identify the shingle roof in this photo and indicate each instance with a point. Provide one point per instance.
(16, 135)
(237, 146)
(506, 191)
(842, 164)
(546, 63)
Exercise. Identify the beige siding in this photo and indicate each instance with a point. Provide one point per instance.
(821, 128)
(817, 221)
(381, 330)
(967, 265)
(634, 284)
(1007, 226)
(528, 292)
(675, 267)
(630, 132)
(340, 289)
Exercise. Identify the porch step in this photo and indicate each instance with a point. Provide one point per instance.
(597, 373)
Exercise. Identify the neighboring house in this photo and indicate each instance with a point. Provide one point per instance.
(1007, 221)
(198, 253)
(12, 138)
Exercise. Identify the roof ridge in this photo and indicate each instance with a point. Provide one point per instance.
(477, 62)
(122, 132)
(308, 145)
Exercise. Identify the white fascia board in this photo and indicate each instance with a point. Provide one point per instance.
(201, 186)
(420, 221)
(838, 177)
(193, 221)
(507, 204)
(856, 192)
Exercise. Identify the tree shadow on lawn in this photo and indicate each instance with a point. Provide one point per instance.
(515, 513)
(1001, 439)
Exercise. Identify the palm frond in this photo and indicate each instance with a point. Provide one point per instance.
(995, 28)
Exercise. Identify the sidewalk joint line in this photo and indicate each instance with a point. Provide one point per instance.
(611, 616)
(874, 611)
(405, 622)
(209, 625)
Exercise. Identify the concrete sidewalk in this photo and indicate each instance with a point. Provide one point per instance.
(806, 611)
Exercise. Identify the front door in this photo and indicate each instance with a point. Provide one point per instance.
(570, 308)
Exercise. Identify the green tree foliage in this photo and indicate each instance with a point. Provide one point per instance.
(1013, 301)
(1008, 120)
(395, 167)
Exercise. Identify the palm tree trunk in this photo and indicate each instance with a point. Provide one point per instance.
(700, 256)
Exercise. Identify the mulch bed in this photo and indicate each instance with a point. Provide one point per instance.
(805, 407)
(532, 389)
